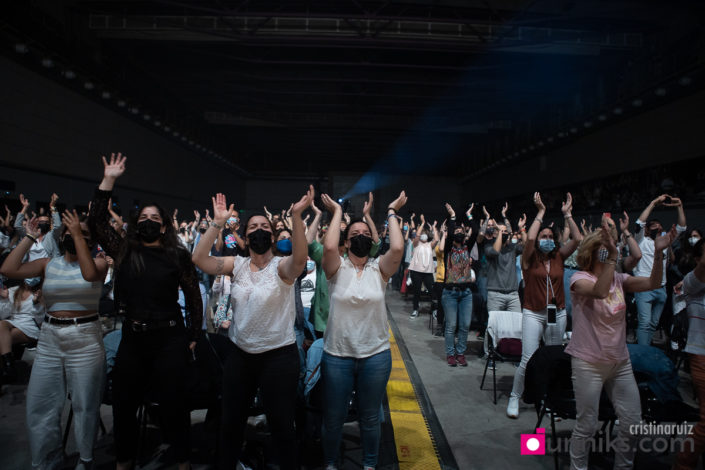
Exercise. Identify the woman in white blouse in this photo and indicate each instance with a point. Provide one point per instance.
(264, 353)
(356, 343)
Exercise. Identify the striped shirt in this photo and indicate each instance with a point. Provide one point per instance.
(694, 291)
(65, 289)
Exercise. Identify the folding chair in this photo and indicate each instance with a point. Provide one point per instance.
(502, 342)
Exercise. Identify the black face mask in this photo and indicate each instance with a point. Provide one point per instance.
(44, 227)
(149, 230)
(505, 237)
(459, 237)
(260, 241)
(182, 230)
(202, 229)
(68, 244)
(360, 245)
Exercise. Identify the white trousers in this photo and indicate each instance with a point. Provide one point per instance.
(534, 327)
(620, 385)
(70, 360)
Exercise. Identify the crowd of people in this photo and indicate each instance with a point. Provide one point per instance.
(299, 298)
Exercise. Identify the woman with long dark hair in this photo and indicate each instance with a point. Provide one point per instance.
(70, 355)
(544, 297)
(264, 354)
(150, 266)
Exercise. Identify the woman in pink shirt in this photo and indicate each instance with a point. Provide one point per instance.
(598, 344)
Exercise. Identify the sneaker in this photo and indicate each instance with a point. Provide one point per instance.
(513, 407)
(434, 314)
(461, 360)
(451, 361)
(414, 314)
(491, 365)
(439, 332)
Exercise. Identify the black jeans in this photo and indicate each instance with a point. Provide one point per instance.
(276, 374)
(436, 303)
(150, 366)
(417, 279)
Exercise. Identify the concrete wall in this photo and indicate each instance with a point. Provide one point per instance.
(666, 134)
(51, 139)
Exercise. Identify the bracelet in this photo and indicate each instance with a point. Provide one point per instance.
(568, 216)
(611, 261)
(452, 218)
(392, 209)
(213, 224)
(393, 215)
(31, 237)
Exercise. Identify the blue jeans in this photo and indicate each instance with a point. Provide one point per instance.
(567, 274)
(458, 310)
(368, 377)
(649, 306)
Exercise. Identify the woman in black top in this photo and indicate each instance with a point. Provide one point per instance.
(150, 265)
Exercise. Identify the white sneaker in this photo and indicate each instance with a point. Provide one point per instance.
(513, 407)
(414, 314)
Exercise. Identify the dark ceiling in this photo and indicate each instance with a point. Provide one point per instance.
(307, 87)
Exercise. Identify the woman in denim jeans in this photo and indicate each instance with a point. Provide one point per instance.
(598, 345)
(356, 343)
(457, 296)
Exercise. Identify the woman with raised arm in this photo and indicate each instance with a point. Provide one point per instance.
(544, 298)
(599, 347)
(421, 266)
(264, 353)
(356, 343)
(70, 354)
(150, 266)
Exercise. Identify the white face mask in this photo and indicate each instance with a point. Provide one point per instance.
(693, 240)
(515, 241)
(424, 238)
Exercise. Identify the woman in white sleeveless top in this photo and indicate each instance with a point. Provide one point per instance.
(421, 268)
(356, 343)
(265, 354)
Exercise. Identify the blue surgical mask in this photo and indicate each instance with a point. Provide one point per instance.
(232, 220)
(514, 241)
(547, 245)
(284, 247)
(310, 265)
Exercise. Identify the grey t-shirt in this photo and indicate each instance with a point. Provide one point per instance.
(501, 267)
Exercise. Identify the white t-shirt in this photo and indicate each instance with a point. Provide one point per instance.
(694, 292)
(263, 308)
(308, 288)
(357, 321)
(422, 258)
(646, 245)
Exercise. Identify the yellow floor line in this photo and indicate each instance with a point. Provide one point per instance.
(415, 447)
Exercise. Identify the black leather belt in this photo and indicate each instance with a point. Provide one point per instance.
(150, 325)
(70, 321)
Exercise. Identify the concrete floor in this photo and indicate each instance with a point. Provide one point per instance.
(479, 434)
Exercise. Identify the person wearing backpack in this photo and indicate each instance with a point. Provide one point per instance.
(693, 287)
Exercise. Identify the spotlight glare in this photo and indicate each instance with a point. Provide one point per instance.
(340, 200)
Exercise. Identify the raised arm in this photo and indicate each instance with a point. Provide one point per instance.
(292, 266)
(98, 215)
(678, 204)
(55, 217)
(366, 209)
(389, 262)
(313, 228)
(201, 254)
(576, 237)
(630, 261)
(505, 208)
(331, 257)
(529, 248)
(92, 270)
(13, 266)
